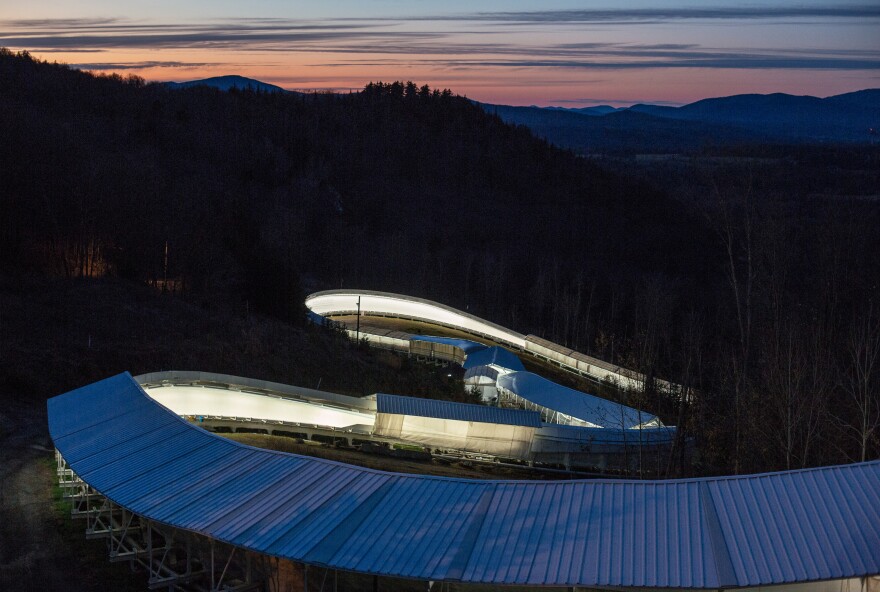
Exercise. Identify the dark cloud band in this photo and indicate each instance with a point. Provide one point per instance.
(140, 65)
(389, 43)
(831, 11)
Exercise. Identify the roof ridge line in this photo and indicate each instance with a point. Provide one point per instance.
(325, 549)
(724, 570)
(463, 555)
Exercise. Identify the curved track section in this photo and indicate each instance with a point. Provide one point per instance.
(190, 394)
(341, 302)
(347, 302)
(754, 530)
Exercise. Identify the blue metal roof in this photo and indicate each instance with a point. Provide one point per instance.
(595, 410)
(466, 345)
(493, 355)
(315, 318)
(752, 530)
(398, 405)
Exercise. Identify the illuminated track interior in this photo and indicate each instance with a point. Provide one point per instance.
(342, 302)
(199, 401)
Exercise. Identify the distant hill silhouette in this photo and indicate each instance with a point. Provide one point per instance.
(751, 118)
(844, 118)
(229, 82)
(715, 122)
(595, 110)
(621, 131)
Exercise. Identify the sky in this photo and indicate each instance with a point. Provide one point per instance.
(516, 52)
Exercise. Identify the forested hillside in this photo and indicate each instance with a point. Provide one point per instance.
(399, 187)
(765, 304)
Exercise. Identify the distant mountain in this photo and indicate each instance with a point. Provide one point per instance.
(719, 121)
(596, 110)
(715, 122)
(229, 82)
(621, 130)
(860, 99)
(773, 107)
(844, 118)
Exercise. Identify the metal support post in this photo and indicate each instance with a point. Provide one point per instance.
(358, 330)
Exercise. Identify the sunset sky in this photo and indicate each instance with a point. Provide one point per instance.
(513, 52)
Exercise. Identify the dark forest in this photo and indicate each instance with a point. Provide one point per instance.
(750, 276)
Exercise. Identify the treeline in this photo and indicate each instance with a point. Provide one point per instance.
(766, 308)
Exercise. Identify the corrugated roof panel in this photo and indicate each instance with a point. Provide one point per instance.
(595, 410)
(259, 511)
(462, 512)
(610, 534)
(705, 533)
(95, 459)
(544, 502)
(494, 355)
(416, 540)
(135, 462)
(395, 507)
(104, 436)
(466, 345)
(859, 504)
(553, 564)
(286, 505)
(329, 509)
(189, 484)
(89, 415)
(821, 523)
(398, 405)
(98, 404)
(184, 476)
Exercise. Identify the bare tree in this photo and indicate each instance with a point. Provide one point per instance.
(690, 354)
(860, 377)
(734, 224)
(796, 375)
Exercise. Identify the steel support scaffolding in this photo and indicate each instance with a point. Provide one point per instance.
(173, 559)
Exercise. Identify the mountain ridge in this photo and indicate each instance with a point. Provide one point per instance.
(229, 82)
(748, 118)
(711, 122)
(716, 121)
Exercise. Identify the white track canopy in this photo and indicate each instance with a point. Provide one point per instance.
(343, 302)
(560, 404)
(459, 426)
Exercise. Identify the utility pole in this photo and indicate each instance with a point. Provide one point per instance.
(358, 330)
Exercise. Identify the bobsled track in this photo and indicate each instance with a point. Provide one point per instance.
(200, 511)
(338, 303)
(579, 430)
